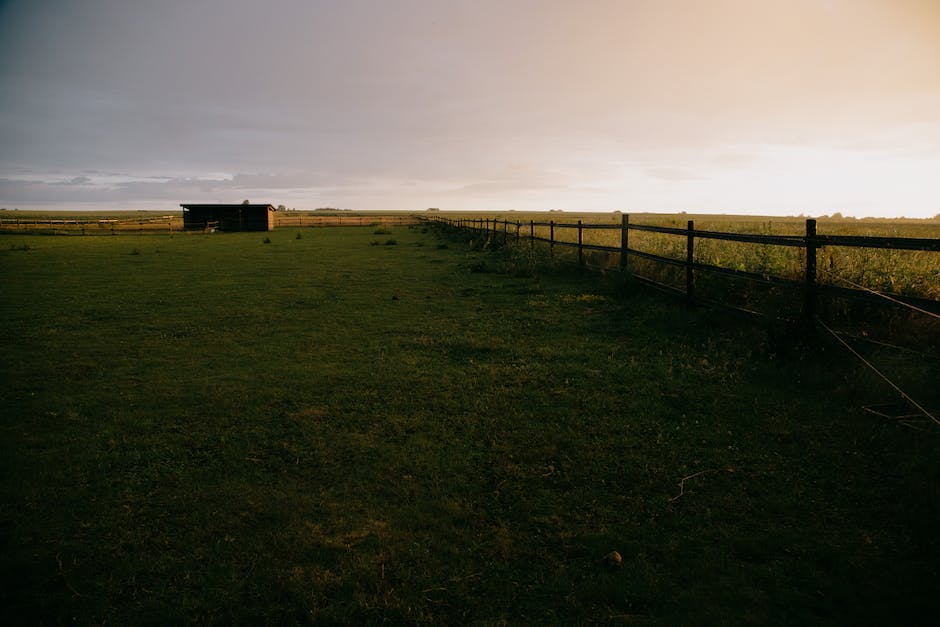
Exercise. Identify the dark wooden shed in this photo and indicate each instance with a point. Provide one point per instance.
(229, 217)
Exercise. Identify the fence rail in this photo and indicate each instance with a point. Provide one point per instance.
(285, 220)
(92, 226)
(811, 242)
(174, 223)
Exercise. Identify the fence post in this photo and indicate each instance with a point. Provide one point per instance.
(689, 259)
(580, 244)
(624, 230)
(809, 305)
(551, 237)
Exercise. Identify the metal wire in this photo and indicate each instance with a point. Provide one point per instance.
(881, 294)
(887, 345)
(903, 394)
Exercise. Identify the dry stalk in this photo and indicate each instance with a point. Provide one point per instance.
(692, 476)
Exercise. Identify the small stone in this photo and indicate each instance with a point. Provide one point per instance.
(613, 559)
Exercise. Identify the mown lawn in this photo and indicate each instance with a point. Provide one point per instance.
(354, 427)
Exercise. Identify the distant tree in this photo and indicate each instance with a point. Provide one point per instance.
(246, 202)
(837, 216)
(433, 209)
(281, 208)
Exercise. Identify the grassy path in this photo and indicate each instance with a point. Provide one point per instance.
(214, 429)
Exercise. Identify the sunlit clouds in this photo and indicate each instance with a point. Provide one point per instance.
(748, 106)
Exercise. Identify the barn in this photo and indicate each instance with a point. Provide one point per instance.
(229, 217)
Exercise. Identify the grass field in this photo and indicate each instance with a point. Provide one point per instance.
(353, 427)
(908, 273)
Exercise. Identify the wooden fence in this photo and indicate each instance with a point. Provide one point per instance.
(92, 226)
(811, 242)
(116, 226)
(282, 220)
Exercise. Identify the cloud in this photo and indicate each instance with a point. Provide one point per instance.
(734, 159)
(672, 174)
(151, 188)
(76, 180)
(389, 103)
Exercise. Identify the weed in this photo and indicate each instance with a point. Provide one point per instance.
(299, 235)
(521, 259)
(381, 231)
(267, 240)
(479, 266)
(391, 242)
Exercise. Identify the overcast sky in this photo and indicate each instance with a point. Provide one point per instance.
(738, 106)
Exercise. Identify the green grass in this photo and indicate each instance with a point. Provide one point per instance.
(211, 429)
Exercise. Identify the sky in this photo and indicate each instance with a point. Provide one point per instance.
(772, 107)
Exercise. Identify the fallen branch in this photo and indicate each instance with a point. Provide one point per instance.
(692, 476)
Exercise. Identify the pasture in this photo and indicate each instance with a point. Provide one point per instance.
(366, 425)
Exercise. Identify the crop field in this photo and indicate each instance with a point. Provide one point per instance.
(391, 425)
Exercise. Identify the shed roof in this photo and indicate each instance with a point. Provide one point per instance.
(218, 206)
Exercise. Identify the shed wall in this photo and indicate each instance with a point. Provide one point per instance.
(230, 218)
